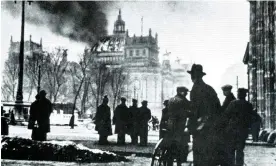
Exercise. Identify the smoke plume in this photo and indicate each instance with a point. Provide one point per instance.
(80, 21)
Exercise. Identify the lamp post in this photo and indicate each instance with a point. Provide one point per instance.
(19, 94)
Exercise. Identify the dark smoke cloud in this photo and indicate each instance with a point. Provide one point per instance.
(80, 21)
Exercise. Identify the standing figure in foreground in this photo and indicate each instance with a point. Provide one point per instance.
(178, 114)
(43, 115)
(144, 117)
(205, 108)
(121, 119)
(164, 119)
(239, 115)
(229, 96)
(34, 110)
(134, 123)
(103, 121)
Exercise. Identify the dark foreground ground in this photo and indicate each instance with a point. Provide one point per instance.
(139, 156)
(254, 156)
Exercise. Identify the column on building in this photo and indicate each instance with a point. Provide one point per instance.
(260, 57)
(252, 65)
(268, 65)
(274, 46)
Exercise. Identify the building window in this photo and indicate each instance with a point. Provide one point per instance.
(130, 53)
(137, 52)
(144, 52)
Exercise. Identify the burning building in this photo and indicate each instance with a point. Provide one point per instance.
(149, 80)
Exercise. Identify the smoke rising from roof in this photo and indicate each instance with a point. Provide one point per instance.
(80, 21)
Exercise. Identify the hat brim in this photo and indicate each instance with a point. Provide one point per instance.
(190, 72)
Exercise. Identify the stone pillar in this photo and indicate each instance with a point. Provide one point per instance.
(273, 113)
(260, 57)
(252, 55)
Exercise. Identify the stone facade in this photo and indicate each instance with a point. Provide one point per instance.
(149, 80)
(30, 48)
(261, 60)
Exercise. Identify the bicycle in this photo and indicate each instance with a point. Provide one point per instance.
(167, 152)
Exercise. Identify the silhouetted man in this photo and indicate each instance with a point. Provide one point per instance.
(206, 108)
(178, 113)
(144, 117)
(103, 121)
(121, 119)
(229, 96)
(134, 123)
(34, 110)
(238, 113)
(43, 115)
(164, 119)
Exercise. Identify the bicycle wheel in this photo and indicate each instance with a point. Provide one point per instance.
(158, 157)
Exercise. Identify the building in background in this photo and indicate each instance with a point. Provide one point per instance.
(260, 57)
(149, 80)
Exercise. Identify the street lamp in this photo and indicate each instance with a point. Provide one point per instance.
(19, 94)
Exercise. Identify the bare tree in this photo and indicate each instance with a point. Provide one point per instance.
(100, 76)
(55, 69)
(31, 66)
(78, 73)
(10, 77)
(118, 79)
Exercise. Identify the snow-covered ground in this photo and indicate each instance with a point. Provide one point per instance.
(78, 133)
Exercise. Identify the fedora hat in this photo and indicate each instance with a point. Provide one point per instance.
(196, 68)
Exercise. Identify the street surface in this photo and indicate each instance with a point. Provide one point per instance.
(254, 155)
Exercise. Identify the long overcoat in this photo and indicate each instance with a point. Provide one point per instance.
(178, 112)
(103, 120)
(238, 116)
(133, 125)
(205, 106)
(206, 109)
(163, 122)
(121, 118)
(144, 117)
(33, 114)
(44, 111)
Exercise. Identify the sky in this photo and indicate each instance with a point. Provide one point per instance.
(211, 33)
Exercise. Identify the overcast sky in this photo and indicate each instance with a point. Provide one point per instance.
(211, 33)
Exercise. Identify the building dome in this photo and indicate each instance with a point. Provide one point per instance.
(110, 44)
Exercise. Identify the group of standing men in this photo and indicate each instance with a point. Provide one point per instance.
(219, 132)
(132, 121)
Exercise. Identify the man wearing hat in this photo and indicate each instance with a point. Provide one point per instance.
(205, 108)
(44, 110)
(178, 114)
(121, 119)
(133, 123)
(164, 119)
(229, 96)
(103, 121)
(238, 116)
(144, 117)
